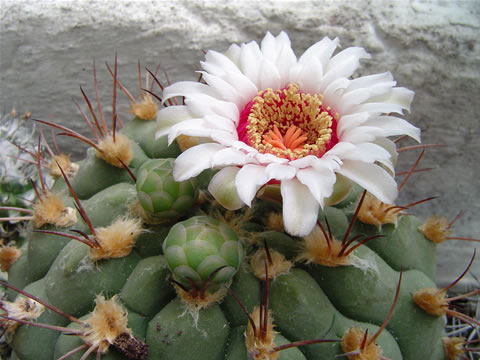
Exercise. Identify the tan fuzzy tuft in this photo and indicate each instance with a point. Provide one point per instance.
(436, 229)
(186, 142)
(116, 240)
(377, 213)
(453, 347)
(260, 346)
(275, 222)
(195, 301)
(146, 110)
(50, 210)
(316, 249)
(106, 322)
(8, 255)
(68, 167)
(279, 264)
(433, 301)
(352, 342)
(111, 151)
(22, 309)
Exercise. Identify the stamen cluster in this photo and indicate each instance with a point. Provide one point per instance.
(289, 123)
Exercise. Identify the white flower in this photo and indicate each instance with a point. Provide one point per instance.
(267, 116)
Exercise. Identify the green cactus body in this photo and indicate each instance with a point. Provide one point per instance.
(309, 302)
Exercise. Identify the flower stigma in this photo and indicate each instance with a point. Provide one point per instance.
(288, 123)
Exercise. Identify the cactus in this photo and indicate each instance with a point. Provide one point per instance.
(162, 261)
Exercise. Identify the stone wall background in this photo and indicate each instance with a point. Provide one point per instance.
(47, 49)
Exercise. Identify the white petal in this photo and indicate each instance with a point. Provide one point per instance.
(169, 116)
(222, 187)
(200, 105)
(269, 158)
(229, 156)
(233, 53)
(399, 96)
(280, 171)
(361, 134)
(341, 149)
(346, 61)
(300, 209)
(308, 75)
(389, 146)
(218, 64)
(223, 89)
(321, 50)
(249, 179)
(377, 108)
(333, 94)
(220, 123)
(372, 178)
(201, 128)
(194, 160)
(250, 59)
(278, 51)
(186, 88)
(372, 80)
(370, 153)
(357, 96)
(246, 89)
(304, 162)
(269, 76)
(343, 65)
(223, 138)
(285, 62)
(393, 126)
(320, 183)
(347, 122)
(268, 46)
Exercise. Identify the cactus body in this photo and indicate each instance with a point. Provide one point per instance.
(309, 302)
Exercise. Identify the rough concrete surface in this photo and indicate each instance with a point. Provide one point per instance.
(47, 49)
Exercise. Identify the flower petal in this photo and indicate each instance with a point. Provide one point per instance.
(222, 187)
(201, 128)
(194, 160)
(186, 88)
(269, 76)
(372, 178)
(320, 183)
(250, 57)
(300, 209)
(321, 50)
(361, 134)
(351, 121)
(393, 126)
(169, 116)
(280, 171)
(218, 64)
(278, 51)
(249, 179)
(223, 89)
(399, 95)
(229, 156)
(200, 105)
(343, 64)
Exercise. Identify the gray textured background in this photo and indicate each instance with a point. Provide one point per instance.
(47, 49)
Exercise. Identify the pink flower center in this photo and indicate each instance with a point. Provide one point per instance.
(288, 123)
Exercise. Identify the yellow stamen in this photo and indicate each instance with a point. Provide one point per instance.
(306, 125)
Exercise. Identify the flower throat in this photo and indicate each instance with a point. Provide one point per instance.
(288, 123)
